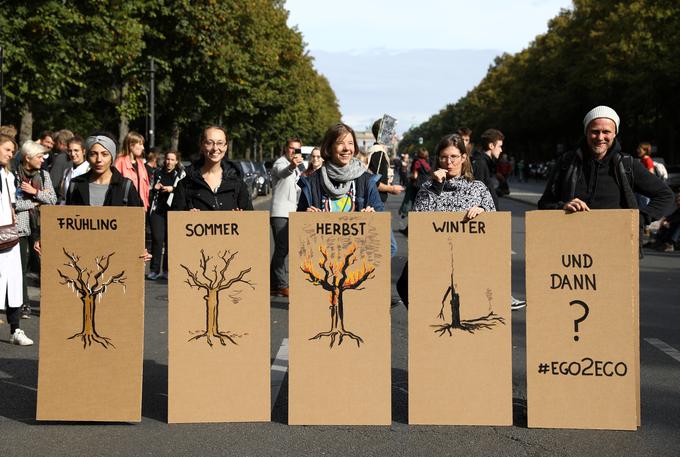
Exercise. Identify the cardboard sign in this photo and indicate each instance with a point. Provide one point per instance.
(91, 314)
(339, 320)
(218, 316)
(582, 319)
(459, 325)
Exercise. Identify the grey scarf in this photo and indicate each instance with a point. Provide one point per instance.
(342, 175)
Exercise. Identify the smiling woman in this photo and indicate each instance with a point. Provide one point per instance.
(212, 183)
(342, 184)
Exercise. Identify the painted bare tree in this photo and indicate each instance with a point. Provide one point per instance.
(469, 325)
(90, 289)
(337, 279)
(212, 283)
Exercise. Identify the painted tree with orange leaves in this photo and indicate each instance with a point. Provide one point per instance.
(336, 278)
(212, 283)
(90, 289)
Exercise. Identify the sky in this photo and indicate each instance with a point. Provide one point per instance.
(411, 58)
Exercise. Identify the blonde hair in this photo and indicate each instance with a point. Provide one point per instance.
(31, 149)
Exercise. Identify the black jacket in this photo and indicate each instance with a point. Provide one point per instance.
(79, 191)
(193, 192)
(484, 169)
(606, 184)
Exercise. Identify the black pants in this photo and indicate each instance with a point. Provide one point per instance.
(13, 314)
(402, 285)
(159, 238)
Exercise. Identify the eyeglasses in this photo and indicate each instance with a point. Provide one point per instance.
(217, 144)
(452, 158)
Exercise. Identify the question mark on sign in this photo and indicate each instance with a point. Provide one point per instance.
(582, 318)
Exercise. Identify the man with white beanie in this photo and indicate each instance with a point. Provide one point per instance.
(598, 175)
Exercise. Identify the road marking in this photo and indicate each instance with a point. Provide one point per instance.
(20, 385)
(279, 370)
(665, 348)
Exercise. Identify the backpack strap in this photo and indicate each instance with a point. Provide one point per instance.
(624, 173)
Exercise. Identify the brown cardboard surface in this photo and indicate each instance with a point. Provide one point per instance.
(91, 370)
(339, 369)
(606, 342)
(218, 317)
(459, 373)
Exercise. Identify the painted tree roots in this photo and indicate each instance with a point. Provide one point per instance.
(336, 278)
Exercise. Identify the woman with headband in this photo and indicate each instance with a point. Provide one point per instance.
(103, 185)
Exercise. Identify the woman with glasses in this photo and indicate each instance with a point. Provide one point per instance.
(212, 183)
(451, 188)
(315, 162)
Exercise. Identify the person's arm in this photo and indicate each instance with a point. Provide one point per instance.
(244, 202)
(282, 169)
(46, 195)
(661, 198)
(551, 198)
(486, 202)
(133, 196)
(373, 197)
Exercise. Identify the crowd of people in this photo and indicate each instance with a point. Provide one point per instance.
(64, 168)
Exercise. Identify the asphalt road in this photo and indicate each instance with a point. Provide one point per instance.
(660, 380)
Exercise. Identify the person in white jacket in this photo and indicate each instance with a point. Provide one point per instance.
(11, 280)
(285, 193)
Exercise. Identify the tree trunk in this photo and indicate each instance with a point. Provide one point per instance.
(174, 137)
(123, 122)
(26, 127)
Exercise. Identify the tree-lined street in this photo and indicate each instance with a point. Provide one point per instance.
(660, 384)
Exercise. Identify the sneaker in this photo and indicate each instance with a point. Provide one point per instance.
(517, 304)
(19, 338)
(668, 247)
(25, 311)
(152, 276)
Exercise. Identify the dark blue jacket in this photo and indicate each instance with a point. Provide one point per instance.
(366, 192)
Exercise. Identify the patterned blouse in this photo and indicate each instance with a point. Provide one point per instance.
(454, 194)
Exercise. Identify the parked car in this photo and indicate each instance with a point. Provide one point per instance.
(264, 180)
(249, 175)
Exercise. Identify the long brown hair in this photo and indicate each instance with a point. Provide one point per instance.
(457, 142)
(130, 139)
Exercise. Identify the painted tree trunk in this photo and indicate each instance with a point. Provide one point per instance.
(212, 312)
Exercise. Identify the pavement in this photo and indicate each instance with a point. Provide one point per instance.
(660, 384)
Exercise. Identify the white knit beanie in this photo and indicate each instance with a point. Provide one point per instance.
(598, 112)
